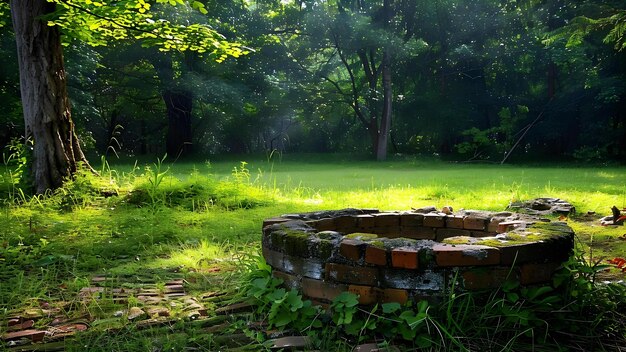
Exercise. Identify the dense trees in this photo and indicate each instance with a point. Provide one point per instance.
(470, 79)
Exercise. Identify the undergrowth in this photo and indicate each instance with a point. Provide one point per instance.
(574, 313)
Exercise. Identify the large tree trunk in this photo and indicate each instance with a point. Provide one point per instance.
(385, 119)
(47, 117)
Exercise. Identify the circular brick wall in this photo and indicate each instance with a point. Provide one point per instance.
(411, 255)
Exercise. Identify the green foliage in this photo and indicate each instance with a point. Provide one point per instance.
(97, 23)
(14, 180)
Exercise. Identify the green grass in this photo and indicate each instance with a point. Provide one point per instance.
(202, 216)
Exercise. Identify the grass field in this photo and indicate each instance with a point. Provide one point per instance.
(179, 219)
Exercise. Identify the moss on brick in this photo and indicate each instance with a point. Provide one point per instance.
(297, 243)
(362, 236)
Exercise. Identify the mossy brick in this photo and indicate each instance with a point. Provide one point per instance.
(422, 280)
(394, 295)
(277, 239)
(474, 223)
(387, 220)
(297, 243)
(465, 255)
(363, 236)
(426, 257)
(418, 233)
(352, 249)
(537, 273)
(411, 219)
(289, 281)
(322, 290)
(324, 249)
(454, 221)
(375, 255)
(405, 258)
(359, 275)
(346, 224)
(273, 258)
(365, 222)
(307, 267)
(327, 224)
(484, 278)
(368, 295)
(434, 220)
(444, 233)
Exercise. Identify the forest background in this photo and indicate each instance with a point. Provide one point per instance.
(461, 80)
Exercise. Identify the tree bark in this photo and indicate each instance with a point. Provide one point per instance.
(43, 89)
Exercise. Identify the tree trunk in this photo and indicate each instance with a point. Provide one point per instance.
(46, 106)
(385, 119)
(178, 104)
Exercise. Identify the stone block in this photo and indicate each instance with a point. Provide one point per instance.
(352, 274)
(404, 257)
(465, 255)
(434, 220)
(375, 255)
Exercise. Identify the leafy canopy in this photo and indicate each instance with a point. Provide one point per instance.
(97, 22)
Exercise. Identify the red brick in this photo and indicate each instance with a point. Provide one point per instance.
(352, 249)
(454, 221)
(395, 295)
(375, 255)
(494, 224)
(387, 220)
(346, 224)
(352, 274)
(404, 257)
(365, 222)
(320, 289)
(367, 294)
(418, 233)
(465, 255)
(273, 258)
(446, 233)
(434, 220)
(532, 273)
(487, 278)
(474, 223)
(323, 224)
(411, 219)
(34, 335)
(388, 231)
